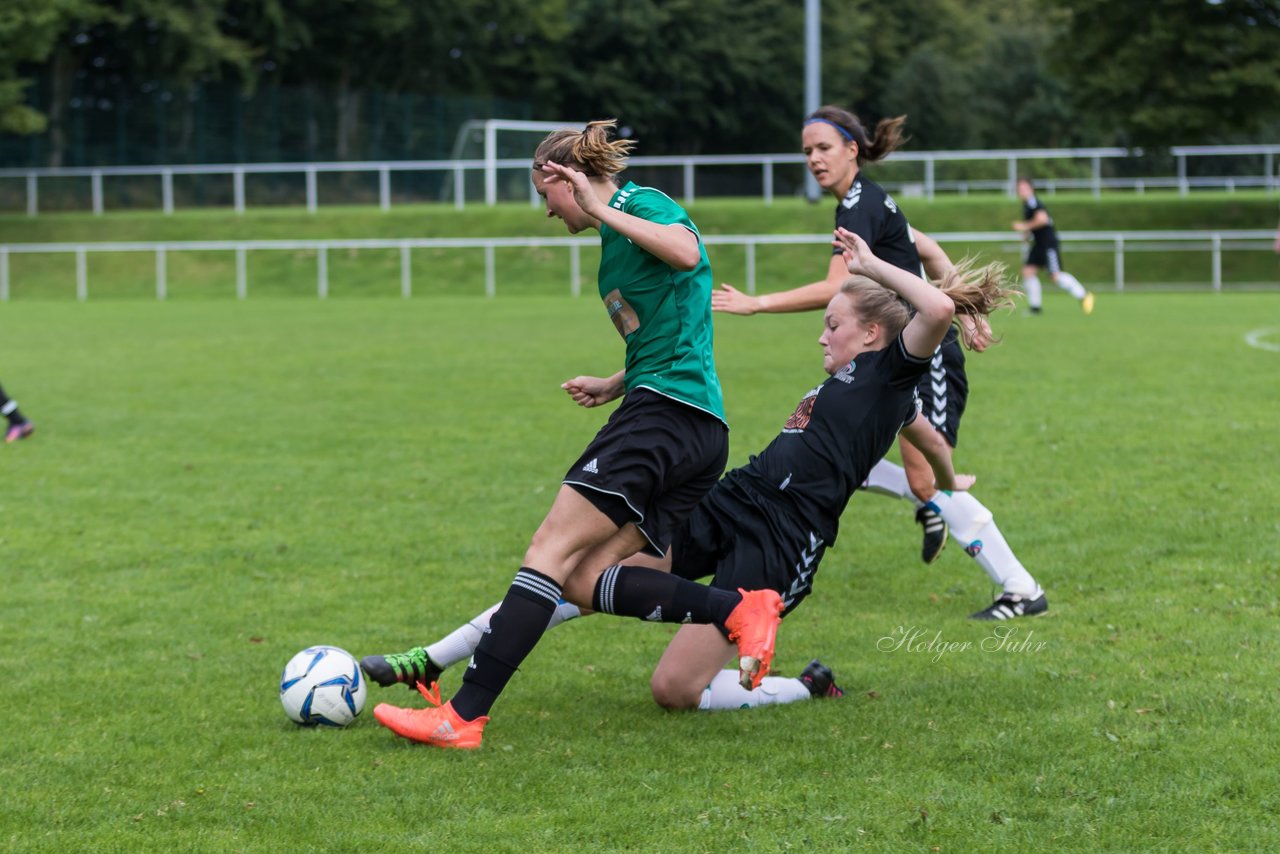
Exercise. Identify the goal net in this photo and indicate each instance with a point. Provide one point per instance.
(505, 146)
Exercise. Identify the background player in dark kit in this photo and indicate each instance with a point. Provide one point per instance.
(1043, 252)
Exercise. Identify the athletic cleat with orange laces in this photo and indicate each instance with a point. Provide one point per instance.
(438, 726)
(753, 626)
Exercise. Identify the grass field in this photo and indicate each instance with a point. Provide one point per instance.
(215, 485)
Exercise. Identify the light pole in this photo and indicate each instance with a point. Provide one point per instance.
(812, 76)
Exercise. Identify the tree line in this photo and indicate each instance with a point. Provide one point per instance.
(687, 76)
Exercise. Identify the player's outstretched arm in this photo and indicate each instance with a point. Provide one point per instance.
(810, 297)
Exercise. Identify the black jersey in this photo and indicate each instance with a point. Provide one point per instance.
(838, 432)
(872, 214)
(1045, 235)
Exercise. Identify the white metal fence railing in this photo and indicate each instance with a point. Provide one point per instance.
(1117, 242)
(926, 183)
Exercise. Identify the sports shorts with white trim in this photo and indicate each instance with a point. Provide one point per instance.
(746, 542)
(651, 463)
(944, 388)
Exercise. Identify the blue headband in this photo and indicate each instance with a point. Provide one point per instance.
(844, 133)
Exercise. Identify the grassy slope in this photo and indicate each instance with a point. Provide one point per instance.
(377, 272)
(216, 485)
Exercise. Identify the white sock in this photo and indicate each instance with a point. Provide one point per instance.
(889, 479)
(724, 692)
(1031, 284)
(459, 644)
(973, 527)
(1070, 284)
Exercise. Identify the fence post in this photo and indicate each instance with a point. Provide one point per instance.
(82, 275)
(237, 189)
(1119, 263)
(406, 285)
(688, 182)
(1097, 177)
(95, 184)
(384, 188)
(33, 194)
(1013, 177)
(162, 285)
(1182, 175)
(4, 274)
(242, 278)
(928, 179)
(166, 190)
(751, 267)
(312, 201)
(575, 270)
(1216, 242)
(322, 272)
(489, 288)
(768, 182)
(459, 187)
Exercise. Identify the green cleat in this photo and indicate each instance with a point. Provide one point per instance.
(407, 668)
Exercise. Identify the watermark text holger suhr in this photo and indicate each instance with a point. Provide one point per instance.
(1003, 639)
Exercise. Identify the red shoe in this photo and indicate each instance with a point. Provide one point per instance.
(438, 726)
(19, 431)
(753, 625)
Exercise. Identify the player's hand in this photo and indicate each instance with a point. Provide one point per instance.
(976, 332)
(592, 391)
(857, 254)
(730, 299)
(581, 184)
(963, 482)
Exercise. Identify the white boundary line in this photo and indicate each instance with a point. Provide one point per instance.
(1254, 339)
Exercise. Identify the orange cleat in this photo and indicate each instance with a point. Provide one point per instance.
(753, 626)
(438, 726)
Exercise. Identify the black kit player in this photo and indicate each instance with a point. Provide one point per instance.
(836, 145)
(1043, 253)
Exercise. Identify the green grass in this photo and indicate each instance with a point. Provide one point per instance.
(215, 485)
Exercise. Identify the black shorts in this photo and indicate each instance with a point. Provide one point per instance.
(944, 388)
(1045, 255)
(650, 464)
(747, 544)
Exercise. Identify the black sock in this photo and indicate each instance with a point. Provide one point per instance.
(9, 409)
(514, 630)
(660, 597)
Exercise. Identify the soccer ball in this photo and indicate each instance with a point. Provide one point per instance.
(322, 686)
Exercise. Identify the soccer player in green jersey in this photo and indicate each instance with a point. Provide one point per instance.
(661, 450)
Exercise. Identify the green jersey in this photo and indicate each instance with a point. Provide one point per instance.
(663, 314)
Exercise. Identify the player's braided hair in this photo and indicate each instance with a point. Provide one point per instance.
(887, 138)
(589, 150)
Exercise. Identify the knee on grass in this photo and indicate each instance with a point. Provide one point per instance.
(670, 691)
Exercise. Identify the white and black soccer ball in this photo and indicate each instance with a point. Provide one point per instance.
(322, 686)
